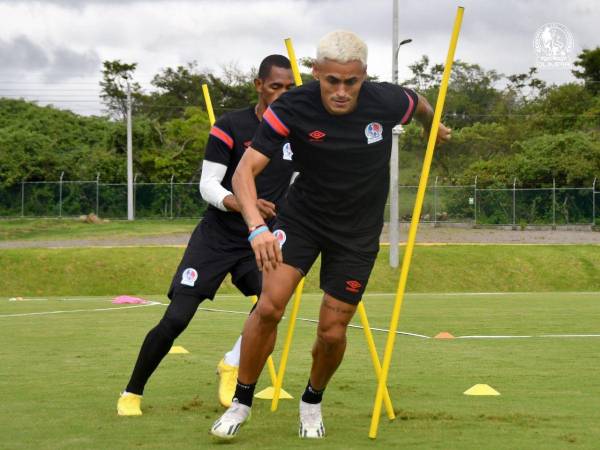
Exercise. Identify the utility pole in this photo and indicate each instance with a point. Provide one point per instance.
(394, 229)
(130, 211)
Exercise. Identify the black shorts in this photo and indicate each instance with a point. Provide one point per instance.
(346, 261)
(210, 255)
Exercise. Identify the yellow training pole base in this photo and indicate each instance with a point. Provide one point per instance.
(269, 394)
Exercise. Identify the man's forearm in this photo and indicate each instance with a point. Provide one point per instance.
(424, 113)
(244, 188)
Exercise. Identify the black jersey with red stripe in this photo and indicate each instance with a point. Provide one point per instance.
(227, 141)
(343, 160)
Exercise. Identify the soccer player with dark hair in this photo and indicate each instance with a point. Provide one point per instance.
(340, 127)
(219, 244)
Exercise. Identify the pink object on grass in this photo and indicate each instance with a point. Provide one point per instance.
(122, 299)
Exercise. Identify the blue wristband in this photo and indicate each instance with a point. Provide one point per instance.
(258, 231)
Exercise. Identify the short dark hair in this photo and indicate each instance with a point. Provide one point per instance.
(272, 60)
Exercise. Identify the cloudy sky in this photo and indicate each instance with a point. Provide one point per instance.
(52, 50)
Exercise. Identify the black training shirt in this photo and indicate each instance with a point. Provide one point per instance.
(343, 160)
(228, 139)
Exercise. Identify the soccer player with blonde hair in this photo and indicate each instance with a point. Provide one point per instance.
(340, 127)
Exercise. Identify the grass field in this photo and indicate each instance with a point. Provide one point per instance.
(62, 371)
(67, 351)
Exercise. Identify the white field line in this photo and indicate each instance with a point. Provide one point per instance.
(302, 319)
(314, 294)
(46, 313)
(14, 299)
(532, 336)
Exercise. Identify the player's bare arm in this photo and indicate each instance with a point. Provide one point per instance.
(265, 207)
(424, 114)
(265, 245)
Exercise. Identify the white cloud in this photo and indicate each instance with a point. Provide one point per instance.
(157, 34)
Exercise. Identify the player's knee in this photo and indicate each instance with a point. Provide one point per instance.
(332, 337)
(173, 326)
(269, 312)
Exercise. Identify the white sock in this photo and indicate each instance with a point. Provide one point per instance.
(232, 357)
(125, 394)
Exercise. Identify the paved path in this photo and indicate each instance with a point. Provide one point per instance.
(427, 234)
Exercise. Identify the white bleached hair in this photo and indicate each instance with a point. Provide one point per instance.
(342, 46)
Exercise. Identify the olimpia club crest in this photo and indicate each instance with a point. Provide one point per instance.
(281, 237)
(553, 44)
(374, 132)
(189, 277)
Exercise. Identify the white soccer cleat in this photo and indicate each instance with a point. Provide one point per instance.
(228, 425)
(311, 421)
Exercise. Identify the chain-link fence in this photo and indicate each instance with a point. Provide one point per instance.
(508, 206)
(73, 198)
(443, 204)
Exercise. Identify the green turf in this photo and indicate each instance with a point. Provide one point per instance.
(61, 374)
(69, 228)
(449, 268)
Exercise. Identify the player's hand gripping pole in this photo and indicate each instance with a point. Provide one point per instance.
(414, 225)
(361, 309)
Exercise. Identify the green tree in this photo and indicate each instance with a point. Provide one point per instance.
(589, 62)
(176, 90)
(116, 76)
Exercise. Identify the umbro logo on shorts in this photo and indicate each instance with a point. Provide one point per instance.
(353, 286)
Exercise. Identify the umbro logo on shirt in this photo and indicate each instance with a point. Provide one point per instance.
(316, 135)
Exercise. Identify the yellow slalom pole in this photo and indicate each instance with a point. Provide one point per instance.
(287, 345)
(375, 358)
(414, 225)
(361, 309)
(294, 63)
(209, 107)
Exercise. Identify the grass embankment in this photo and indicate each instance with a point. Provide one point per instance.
(69, 228)
(446, 268)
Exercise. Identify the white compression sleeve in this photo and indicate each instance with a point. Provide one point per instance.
(210, 184)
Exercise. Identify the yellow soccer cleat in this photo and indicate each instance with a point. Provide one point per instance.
(129, 405)
(227, 382)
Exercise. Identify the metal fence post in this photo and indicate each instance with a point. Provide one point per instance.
(594, 202)
(60, 189)
(134, 195)
(475, 201)
(98, 194)
(514, 224)
(172, 176)
(435, 202)
(23, 198)
(553, 203)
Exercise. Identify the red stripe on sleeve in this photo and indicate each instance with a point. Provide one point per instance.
(222, 136)
(411, 104)
(277, 125)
